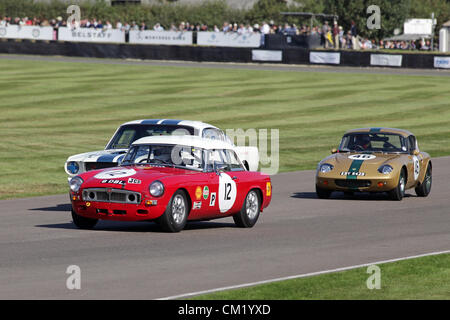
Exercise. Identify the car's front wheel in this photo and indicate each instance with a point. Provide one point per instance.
(423, 189)
(249, 214)
(82, 222)
(174, 218)
(322, 193)
(398, 193)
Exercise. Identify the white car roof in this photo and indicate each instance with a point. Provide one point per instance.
(191, 141)
(195, 124)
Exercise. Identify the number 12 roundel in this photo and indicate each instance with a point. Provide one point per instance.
(227, 192)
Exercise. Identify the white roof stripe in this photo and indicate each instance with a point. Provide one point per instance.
(192, 141)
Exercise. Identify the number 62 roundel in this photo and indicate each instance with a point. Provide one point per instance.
(227, 192)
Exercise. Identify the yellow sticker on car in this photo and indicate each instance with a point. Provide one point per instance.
(198, 193)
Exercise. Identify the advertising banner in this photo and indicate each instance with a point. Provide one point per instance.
(386, 60)
(442, 62)
(231, 39)
(267, 55)
(91, 35)
(325, 57)
(26, 32)
(160, 37)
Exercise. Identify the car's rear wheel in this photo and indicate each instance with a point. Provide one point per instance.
(322, 193)
(174, 218)
(82, 222)
(249, 214)
(398, 193)
(423, 189)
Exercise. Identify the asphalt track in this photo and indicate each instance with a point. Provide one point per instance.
(297, 234)
(241, 66)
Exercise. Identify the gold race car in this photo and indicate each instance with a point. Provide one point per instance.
(375, 160)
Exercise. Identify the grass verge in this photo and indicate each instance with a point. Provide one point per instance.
(420, 278)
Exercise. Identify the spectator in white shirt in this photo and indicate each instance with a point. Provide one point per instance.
(265, 29)
(107, 26)
(158, 27)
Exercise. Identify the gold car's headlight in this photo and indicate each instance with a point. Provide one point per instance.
(385, 169)
(326, 167)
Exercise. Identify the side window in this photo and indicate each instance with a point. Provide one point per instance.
(216, 159)
(214, 134)
(233, 161)
(226, 160)
(411, 144)
(126, 138)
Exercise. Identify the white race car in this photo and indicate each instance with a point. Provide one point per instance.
(131, 131)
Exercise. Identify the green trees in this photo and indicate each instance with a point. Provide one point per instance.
(393, 14)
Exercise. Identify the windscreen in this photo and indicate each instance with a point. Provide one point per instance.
(373, 142)
(165, 155)
(127, 134)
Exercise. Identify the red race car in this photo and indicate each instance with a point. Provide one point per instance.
(170, 180)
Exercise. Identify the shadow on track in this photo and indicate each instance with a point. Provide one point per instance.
(144, 226)
(341, 196)
(59, 207)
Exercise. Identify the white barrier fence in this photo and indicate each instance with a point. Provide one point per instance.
(221, 39)
(218, 39)
(91, 35)
(26, 32)
(161, 37)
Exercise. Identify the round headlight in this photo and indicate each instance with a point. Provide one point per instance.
(385, 169)
(324, 168)
(156, 188)
(75, 183)
(73, 167)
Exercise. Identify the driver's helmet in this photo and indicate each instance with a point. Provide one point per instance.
(362, 140)
(163, 153)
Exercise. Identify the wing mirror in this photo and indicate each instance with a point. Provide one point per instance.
(219, 168)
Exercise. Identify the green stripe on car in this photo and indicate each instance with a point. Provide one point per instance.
(354, 167)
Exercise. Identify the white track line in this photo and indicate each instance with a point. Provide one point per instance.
(191, 294)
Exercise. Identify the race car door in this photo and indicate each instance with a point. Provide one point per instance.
(225, 197)
(414, 162)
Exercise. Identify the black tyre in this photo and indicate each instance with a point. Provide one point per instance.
(249, 214)
(398, 193)
(174, 218)
(423, 189)
(82, 222)
(323, 193)
(349, 194)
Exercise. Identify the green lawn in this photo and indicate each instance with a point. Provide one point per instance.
(421, 278)
(51, 110)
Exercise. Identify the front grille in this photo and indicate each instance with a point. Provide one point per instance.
(118, 197)
(352, 183)
(99, 165)
(111, 195)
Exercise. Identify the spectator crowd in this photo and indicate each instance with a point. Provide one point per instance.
(332, 36)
